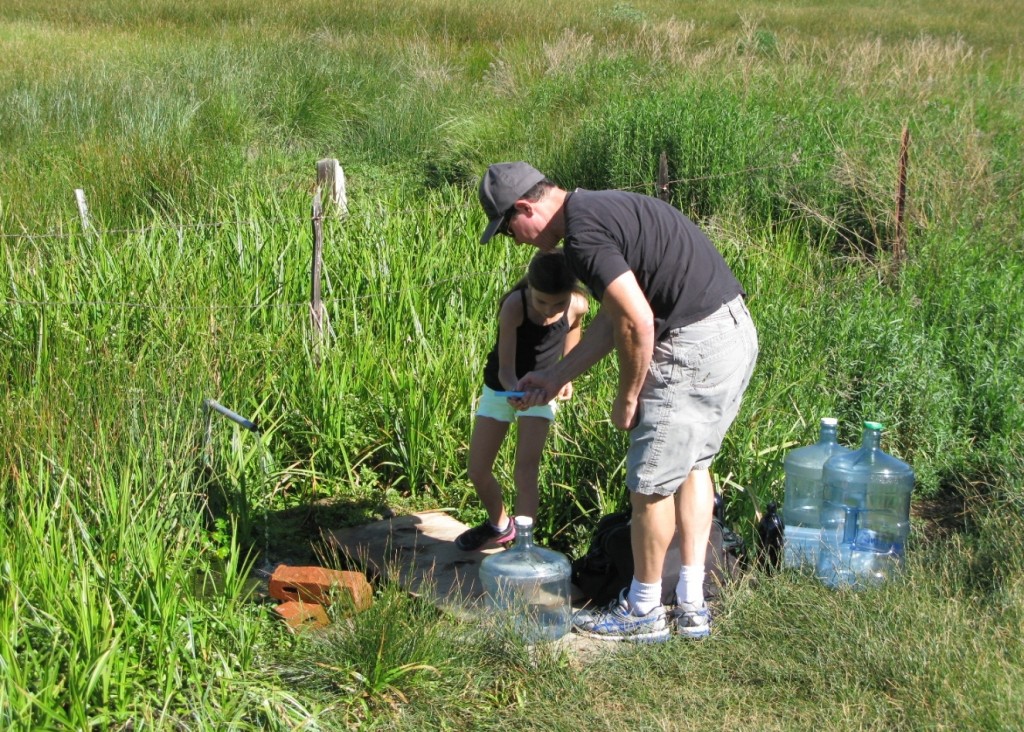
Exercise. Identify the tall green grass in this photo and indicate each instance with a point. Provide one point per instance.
(193, 128)
(99, 596)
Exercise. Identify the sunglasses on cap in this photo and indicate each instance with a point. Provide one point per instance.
(503, 229)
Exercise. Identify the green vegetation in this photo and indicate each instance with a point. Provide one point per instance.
(129, 531)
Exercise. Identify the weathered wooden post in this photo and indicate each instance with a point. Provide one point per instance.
(331, 178)
(83, 210)
(663, 192)
(899, 245)
(316, 312)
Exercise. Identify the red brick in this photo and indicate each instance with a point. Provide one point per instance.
(302, 615)
(319, 585)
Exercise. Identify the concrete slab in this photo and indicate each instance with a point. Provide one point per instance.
(418, 552)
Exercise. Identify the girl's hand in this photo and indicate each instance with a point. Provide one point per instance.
(566, 392)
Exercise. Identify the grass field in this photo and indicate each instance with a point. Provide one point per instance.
(193, 129)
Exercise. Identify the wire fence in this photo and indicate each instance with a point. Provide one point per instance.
(393, 293)
(181, 226)
(798, 159)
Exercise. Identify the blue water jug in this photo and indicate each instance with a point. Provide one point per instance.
(804, 492)
(530, 584)
(865, 515)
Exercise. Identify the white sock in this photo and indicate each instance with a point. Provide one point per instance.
(690, 588)
(503, 526)
(643, 598)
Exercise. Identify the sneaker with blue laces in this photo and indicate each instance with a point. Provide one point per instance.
(617, 622)
(692, 621)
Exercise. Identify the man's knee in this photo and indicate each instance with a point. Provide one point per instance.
(646, 502)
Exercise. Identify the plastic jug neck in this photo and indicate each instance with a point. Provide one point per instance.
(829, 433)
(524, 533)
(872, 437)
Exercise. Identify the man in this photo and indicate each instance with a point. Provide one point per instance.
(674, 314)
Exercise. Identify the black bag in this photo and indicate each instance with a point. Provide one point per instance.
(607, 567)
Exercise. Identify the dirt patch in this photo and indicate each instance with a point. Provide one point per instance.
(941, 515)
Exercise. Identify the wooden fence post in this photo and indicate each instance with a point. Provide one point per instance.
(83, 210)
(663, 192)
(899, 245)
(316, 312)
(331, 178)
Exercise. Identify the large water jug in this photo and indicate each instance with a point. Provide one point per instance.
(531, 584)
(865, 515)
(804, 492)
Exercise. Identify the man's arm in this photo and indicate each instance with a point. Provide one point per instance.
(596, 343)
(624, 322)
(632, 326)
(577, 310)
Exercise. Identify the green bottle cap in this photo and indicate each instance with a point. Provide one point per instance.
(873, 426)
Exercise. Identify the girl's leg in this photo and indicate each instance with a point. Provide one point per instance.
(532, 433)
(488, 435)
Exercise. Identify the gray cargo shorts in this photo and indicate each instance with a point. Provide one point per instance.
(690, 396)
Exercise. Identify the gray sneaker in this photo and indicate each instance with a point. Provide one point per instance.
(616, 622)
(692, 621)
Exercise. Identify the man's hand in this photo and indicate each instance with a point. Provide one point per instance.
(540, 388)
(625, 413)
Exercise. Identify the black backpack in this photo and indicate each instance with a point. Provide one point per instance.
(607, 567)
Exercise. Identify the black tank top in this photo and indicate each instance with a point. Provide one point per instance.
(537, 346)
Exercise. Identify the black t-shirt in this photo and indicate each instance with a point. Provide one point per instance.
(681, 273)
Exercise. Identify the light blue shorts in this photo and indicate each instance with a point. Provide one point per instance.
(690, 397)
(497, 407)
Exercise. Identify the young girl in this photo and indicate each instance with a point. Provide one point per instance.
(539, 321)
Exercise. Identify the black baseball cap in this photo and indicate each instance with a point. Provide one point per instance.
(502, 185)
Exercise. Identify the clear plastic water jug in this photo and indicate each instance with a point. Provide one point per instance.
(531, 583)
(804, 493)
(865, 515)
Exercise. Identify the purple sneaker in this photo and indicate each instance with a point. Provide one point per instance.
(472, 539)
